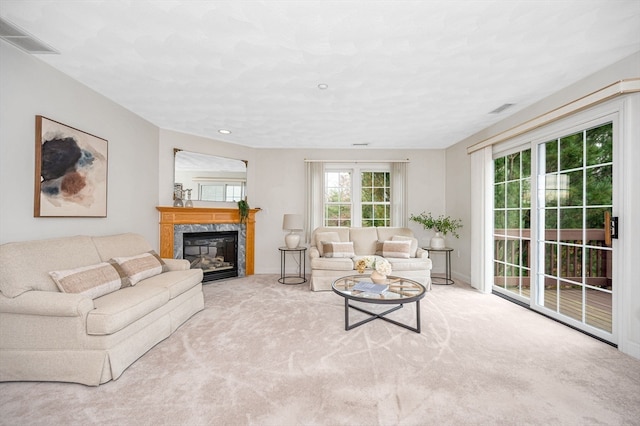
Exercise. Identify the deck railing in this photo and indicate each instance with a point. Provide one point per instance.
(566, 261)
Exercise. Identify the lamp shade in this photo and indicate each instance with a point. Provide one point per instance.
(292, 222)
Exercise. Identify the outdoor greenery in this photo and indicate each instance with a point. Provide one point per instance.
(576, 191)
(442, 224)
(375, 199)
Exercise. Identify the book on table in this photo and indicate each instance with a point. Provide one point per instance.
(368, 287)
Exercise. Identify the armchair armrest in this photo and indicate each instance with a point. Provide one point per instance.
(177, 264)
(47, 303)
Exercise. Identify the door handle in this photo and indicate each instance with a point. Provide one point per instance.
(610, 228)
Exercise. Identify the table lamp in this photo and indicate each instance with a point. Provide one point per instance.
(292, 223)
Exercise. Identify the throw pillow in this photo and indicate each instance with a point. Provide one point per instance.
(399, 249)
(332, 249)
(414, 243)
(92, 281)
(141, 266)
(325, 236)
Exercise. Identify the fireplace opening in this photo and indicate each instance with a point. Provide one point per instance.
(216, 253)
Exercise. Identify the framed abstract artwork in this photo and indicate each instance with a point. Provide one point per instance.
(70, 172)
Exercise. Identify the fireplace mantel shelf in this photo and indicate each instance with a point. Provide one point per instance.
(171, 216)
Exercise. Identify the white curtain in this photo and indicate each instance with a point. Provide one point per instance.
(482, 220)
(315, 197)
(399, 194)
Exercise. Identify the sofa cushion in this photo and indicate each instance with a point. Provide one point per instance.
(177, 282)
(116, 310)
(122, 245)
(91, 281)
(414, 243)
(141, 266)
(411, 264)
(364, 240)
(399, 249)
(332, 264)
(26, 265)
(325, 237)
(341, 249)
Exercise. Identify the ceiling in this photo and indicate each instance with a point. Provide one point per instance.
(400, 74)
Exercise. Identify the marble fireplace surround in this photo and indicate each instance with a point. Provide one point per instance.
(175, 221)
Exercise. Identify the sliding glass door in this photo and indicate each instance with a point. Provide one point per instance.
(575, 182)
(557, 261)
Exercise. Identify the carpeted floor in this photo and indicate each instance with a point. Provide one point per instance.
(262, 353)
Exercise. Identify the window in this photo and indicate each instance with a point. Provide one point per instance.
(221, 191)
(365, 201)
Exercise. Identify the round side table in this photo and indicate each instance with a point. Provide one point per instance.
(300, 277)
(446, 280)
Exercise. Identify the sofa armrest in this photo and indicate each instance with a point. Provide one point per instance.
(313, 252)
(47, 303)
(422, 253)
(177, 264)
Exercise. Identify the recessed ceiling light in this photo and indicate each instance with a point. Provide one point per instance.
(224, 131)
(323, 86)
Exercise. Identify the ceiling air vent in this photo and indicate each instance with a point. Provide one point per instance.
(23, 40)
(360, 144)
(501, 108)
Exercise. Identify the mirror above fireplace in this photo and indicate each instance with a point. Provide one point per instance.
(209, 177)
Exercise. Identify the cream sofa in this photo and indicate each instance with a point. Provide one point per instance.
(366, 242)
(49, 335)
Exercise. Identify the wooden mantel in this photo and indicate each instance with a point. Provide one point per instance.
(170, 216)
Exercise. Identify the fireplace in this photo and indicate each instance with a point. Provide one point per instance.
(216, 253)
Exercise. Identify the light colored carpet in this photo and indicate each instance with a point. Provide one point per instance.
(262, 353)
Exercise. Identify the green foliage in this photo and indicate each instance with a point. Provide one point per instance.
(442, 224)
(243, 207)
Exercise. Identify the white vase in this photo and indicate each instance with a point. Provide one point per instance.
(377, 277)
(437, 241)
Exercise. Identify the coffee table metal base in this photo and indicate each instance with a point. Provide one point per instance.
(382, 316)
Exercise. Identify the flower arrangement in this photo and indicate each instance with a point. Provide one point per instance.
(382, 266)
(364, 263)
(443, 224)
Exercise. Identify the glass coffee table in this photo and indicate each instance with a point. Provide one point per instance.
(401, 291)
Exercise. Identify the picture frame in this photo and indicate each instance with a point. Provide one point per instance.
(70, 171)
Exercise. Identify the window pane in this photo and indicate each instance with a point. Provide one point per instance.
(600, 145)
(600, 186)
(570, 188)
(526, 163)
(551, 155)
(499, 196)
(513, 166)
(499, 165)
(571, 151)
(513, 194)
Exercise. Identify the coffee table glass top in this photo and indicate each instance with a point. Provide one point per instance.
(401, 290)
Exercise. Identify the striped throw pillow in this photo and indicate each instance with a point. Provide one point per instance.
(91, 281)
(141, 266)
(334, 249)
(399, 249)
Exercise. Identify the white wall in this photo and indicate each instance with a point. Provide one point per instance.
(276, 183)
(29, 87)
